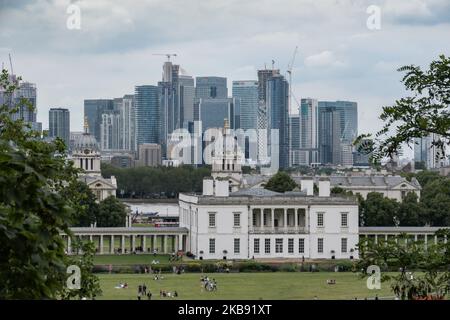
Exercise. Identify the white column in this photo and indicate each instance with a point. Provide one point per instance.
(133, 243)
(426, 241)
(386, 237)
(122, 244)
(101, 244)
(90, 238)
(144, 242)
(415, 237)
(111, 244)
(272, 217)
(285, 218)
(296, 218)
(165, 244)
(435, 240)
(180, 242)
(376, 238)
(445, 238)
(261, 218)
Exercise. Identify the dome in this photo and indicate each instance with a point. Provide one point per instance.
(86, 141)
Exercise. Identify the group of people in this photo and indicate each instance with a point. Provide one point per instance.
(122, 286)
(164, 293)
(208, 284)
(142, 292)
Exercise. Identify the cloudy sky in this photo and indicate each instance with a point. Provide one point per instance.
(339, 56)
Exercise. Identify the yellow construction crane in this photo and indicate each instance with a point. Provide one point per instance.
(168, 55)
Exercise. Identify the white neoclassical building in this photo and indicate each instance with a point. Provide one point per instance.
(86, 155)
(264, 224)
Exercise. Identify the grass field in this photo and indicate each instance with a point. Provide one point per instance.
(130, 259)
(277, 285)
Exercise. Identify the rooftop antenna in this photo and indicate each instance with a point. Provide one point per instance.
(10, 63)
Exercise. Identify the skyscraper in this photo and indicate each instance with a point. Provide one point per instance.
(338, 128)
(308, 132)
(277, 101)
(428, 154)
(93, 110)
(109, 130)
(187, 96)
(294, 140)
(248, 94)
(127, 131)
(147, 109)
(211, 88)
(213, 112)
(59, 124)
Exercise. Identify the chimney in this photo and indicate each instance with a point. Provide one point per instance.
(324, 187)
(208, 186)
(307, 184)
(221, 188)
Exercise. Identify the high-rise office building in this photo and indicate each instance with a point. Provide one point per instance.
(147, 111)
(248, 94)
(211, 88)
(213, 112)
(109, 130)
(308, 132)
(127, 131)
(294, 140)
(59, 124)
(93, 110)
(187, 96)
(277, 102)
(338, 128)
(428, 154)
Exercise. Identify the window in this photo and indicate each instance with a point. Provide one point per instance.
(237, 220)
(290, 245)
(237, 245)
(266, 245)
(212, 220)
(254, 219)
(265, 219)
(301, 245)
(255, 245)
(344, 219)
(212, 245)
(278, 245)
(320, 245)
(320, 219)
(344, 245)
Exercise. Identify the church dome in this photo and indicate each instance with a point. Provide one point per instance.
(86, 141)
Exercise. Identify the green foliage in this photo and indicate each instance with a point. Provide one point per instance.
(33, 210)
(423, 113)
(340, 191)
(111, 213)
(377, 210)
(435, 198)
(280, 182)
(408, 257)
(145, 182)
(83, 200)
(90, 285)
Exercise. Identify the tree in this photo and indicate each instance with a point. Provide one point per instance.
(421, 272)
(33, 211)
(410, 210)
(280, 182)
(436, 201)
(425, 112)
(112, 213)
(90, 285)
(83, 200)
(377, 210)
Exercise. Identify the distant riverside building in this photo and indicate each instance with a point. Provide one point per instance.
(187, 97)
(122, 161)
(93, 110)
(127, 123)
(337, 130)
(277, 102)
(147, 110)
(308, 113)
(149, 155)
(211, 88)
(247, 92)
(109, 130)
(59, 124)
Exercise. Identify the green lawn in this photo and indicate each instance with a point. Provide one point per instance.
(277, 285)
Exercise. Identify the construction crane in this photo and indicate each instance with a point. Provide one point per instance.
(289, 71)
(168, 55)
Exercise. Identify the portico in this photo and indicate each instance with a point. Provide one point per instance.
(278, 219)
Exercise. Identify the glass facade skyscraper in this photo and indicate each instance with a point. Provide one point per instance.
(59, 124)
(338, 128)
(247, 93)
(277, 102)
(211, 88)
(308, 132)
(147, 109)
(93, 110)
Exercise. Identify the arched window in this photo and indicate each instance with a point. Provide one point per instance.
(92, 164)
(86, 164)
(81, 163)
